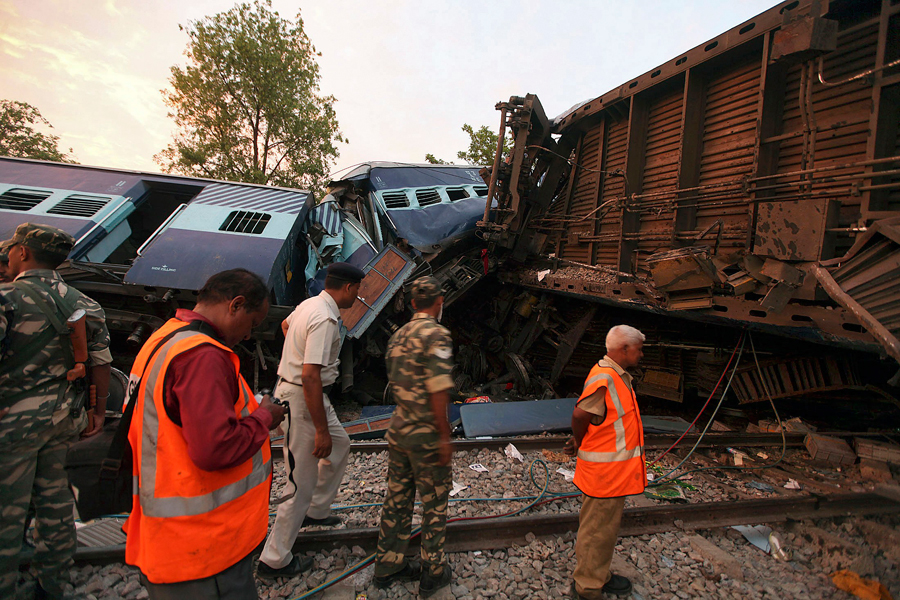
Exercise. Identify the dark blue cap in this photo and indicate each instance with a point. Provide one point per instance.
(345, 272)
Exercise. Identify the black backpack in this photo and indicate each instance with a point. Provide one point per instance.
(100, 467)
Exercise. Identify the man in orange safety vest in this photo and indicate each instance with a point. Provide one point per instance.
(608, 439)
(200, 444)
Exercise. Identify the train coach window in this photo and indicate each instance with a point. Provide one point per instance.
(427, 197)
(79, 205)
(19, 199)
(245, 221)
(395, 199)
(481, 190)
(142, 218)
(457, 193)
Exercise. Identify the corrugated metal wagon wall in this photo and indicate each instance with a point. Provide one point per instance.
(718, 152)
(660, 173)
(584, 196)
(606, 251)
(727, 150)
(838, 115)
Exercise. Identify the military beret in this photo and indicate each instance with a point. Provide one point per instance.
(40, 237)
(345, 272)
(426, 288)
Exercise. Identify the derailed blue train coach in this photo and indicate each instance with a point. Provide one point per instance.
(146, 243)
(160, 232)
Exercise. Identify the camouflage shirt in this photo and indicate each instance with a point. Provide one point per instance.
(21, 320)
(419, 359)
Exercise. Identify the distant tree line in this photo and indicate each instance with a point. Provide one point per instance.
(482, 147)
(20, 139)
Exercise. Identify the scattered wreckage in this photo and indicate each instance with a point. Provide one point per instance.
(749, 184)
(145, 243)
(752, 182)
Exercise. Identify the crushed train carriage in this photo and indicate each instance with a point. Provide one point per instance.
(751, 182)
(145, 243)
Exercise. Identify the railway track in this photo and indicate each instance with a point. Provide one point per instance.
(102, 541)
(654, 441)
(488, 534)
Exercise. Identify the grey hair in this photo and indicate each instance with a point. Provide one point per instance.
(623, 335)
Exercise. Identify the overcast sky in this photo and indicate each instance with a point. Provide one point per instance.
(406, 74)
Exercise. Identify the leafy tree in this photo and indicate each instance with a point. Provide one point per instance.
(247, 105)
(482, 147)
(18, 137)
(436, 161)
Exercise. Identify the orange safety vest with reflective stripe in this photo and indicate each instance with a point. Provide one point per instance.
(187, 523)
(611, 456)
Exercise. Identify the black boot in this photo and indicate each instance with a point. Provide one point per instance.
(298, 565)
(409, 572)
(429, 584)
(617, 585)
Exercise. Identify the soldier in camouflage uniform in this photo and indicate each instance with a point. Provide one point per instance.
(419, 359)
(37, 418)
(4, 267)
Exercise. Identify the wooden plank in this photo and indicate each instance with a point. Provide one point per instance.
(372, 286)
(829, 449)
(878, 451)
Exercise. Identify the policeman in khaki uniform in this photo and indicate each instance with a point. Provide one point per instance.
(419, 359)
(608, 439)
(39, 412)
(317, 446)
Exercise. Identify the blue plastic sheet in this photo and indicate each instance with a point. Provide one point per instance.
(517, 418)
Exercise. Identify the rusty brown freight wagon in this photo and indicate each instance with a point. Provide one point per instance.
(753, 181)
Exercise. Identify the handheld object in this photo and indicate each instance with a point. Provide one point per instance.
(78, 338)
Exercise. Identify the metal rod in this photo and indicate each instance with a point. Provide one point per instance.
(485, 534)
(862, 163)
(881, 333)
(103, 220)
(160, 228)
(497, 157)
(855, 77)
(886, 186)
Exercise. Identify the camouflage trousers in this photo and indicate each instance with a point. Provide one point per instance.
(413, 464)
(33, 471)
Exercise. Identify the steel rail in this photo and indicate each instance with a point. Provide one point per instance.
(486, 534)
(652, 441)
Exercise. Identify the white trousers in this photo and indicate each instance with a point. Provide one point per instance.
(317, 480)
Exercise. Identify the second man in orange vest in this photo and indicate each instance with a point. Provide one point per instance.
(608, 439)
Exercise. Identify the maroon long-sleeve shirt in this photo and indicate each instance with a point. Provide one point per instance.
(201, 388)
